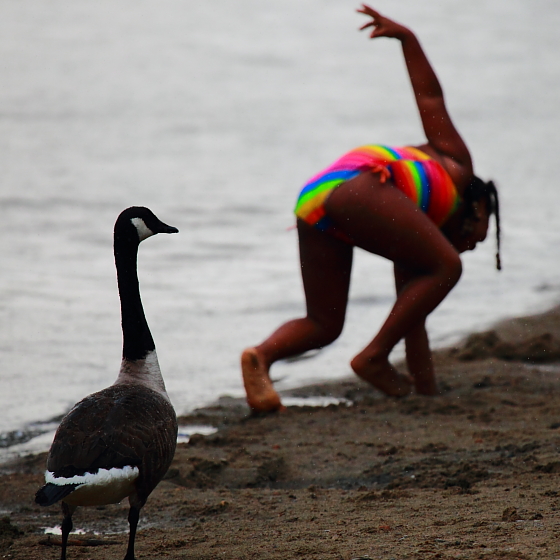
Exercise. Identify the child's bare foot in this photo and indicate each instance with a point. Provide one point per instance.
(261, 396)
(382, 375)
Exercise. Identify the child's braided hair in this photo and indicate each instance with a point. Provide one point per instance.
(476, 190)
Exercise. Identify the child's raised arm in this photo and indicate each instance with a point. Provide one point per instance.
(438, 127)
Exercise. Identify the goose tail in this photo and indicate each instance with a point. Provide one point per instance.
(50, 493)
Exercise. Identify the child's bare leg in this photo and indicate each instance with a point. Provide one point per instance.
(419, 296)
(293, 338)
(383, 221)
(419, 361)
(326, 264)
(418, 353)
(425, 383)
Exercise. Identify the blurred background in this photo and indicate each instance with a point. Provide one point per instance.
(214, 115)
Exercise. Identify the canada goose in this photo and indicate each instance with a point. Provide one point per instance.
(119, 442)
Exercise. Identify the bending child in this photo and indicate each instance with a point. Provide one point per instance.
(419, 207)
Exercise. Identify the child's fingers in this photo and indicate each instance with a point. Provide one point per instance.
(369, 11)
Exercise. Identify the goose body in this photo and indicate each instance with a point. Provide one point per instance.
(118, 442)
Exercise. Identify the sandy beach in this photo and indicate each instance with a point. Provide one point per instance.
(472, 473)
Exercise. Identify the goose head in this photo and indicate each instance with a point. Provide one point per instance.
(138, 223)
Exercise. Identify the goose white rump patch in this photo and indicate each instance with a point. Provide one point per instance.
(106, 486)
(102, 477)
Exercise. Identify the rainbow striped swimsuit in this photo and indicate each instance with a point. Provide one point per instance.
(417, 175)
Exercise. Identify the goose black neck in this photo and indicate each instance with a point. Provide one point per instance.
(137, 338)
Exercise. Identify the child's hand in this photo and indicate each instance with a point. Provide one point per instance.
(382, 26)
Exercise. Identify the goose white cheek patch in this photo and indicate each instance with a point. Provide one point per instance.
(143, 230)
(103, 477)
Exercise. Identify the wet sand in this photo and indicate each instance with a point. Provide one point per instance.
(472, 473)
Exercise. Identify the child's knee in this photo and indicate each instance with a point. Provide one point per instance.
(453, 269)
(328, 332)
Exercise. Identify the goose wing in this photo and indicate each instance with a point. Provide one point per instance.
(123, 425)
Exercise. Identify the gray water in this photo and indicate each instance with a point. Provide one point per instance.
(213, 114)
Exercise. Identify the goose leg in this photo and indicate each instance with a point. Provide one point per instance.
(66, 527)
(133, 517)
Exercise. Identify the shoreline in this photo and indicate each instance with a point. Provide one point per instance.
(516, 338)
(519, 338)
(471, 473)
(530, 339)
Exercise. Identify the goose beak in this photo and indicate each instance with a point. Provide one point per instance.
(164, 228)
